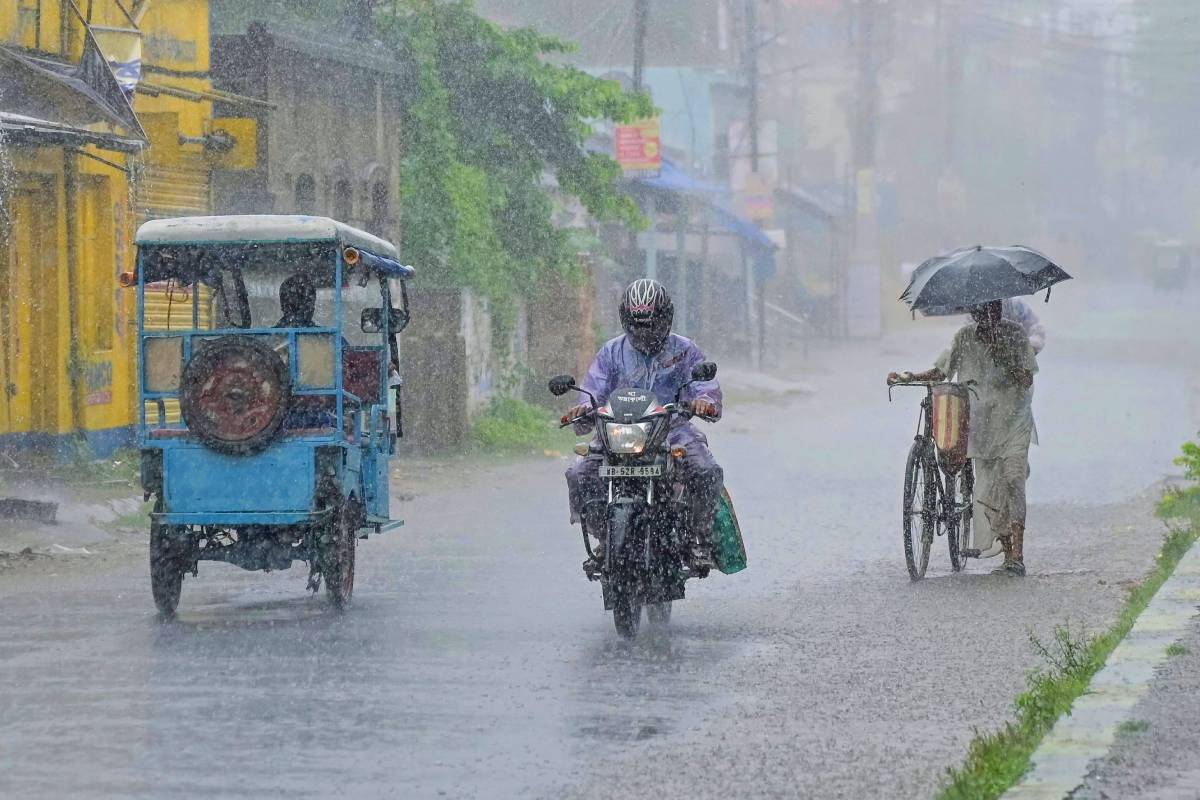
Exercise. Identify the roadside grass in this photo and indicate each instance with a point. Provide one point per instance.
(133, 520)
(1132, 726)
(510, 426)
(77, 469)
(1178, 649)
(995, 761)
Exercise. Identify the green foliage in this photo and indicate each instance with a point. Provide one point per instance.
(510, 425)
(488, 117)
(995, 761)
(78, 467)
(1132, 726)
(1177, 649)
(1184, 502)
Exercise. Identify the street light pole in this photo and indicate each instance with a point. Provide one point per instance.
(641, 22)
(755, 300)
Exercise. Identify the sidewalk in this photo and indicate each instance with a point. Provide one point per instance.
(1156, 755)
(88, 516)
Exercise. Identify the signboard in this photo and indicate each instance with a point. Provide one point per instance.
(758, 200)
(639, 147)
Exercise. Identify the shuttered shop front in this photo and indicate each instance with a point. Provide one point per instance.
(176, 190)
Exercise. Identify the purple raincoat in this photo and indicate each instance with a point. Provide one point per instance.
(618, 365)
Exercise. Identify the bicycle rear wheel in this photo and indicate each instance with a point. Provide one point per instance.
(957, 512)
(920, 507)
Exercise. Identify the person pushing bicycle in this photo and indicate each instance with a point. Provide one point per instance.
(997, 356)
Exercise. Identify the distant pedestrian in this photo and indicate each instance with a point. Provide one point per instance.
(998, 356)
(1018, 311)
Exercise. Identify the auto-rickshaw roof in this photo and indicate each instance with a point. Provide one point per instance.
(261, 228)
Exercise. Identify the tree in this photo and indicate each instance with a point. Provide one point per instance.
(489, 118)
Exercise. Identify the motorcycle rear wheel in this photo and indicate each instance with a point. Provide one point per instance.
(659, 613)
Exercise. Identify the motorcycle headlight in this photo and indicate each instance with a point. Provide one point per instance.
(627, 439)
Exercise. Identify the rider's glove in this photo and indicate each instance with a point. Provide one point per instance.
(575, 412)
(705, 408)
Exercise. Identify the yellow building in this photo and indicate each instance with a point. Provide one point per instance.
(79, 169)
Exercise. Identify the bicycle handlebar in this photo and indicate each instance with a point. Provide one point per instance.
(968, 385)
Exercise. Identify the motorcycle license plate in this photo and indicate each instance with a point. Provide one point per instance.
(631, 472)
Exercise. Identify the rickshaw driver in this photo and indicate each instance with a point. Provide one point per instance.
(297, 302)
(996, 354)
(652, 358)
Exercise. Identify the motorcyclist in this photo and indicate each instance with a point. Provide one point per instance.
(649, 357)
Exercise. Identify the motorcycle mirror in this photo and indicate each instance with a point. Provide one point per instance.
(704, 371)
(561, 384)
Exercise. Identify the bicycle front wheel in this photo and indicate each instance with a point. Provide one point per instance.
(920, 508)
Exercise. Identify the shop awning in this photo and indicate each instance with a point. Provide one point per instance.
(43, 100)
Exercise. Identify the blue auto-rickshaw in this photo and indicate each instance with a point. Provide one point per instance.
(265, 433)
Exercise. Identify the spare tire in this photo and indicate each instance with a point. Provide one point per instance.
(234, 394)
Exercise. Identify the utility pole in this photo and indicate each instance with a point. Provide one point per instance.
(641, 22)
(865, 270)
(755, 293)
(752, 79)
(951, 53)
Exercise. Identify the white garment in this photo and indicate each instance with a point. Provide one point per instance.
(1001, 409)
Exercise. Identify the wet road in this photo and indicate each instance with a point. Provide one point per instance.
(477, 662)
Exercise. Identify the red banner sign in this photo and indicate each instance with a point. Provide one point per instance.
(639, 146)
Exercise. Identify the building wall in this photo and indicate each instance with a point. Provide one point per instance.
(67, 360)
(329, 130)
(66, 348)
(177, 175)
(338, 128)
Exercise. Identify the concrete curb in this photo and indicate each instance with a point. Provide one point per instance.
(1062, 761)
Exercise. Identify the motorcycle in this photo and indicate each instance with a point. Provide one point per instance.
(648, 542)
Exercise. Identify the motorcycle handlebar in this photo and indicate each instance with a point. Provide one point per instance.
(684, 409)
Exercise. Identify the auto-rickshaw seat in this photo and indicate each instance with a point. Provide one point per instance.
(169, 433)
(360, 373)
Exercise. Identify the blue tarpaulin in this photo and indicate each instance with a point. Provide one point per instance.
(675, 179)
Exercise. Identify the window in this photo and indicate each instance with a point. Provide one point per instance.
(379, 208)
(306, 195)
(343, 201)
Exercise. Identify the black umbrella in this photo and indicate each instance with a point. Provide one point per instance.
(975, 275)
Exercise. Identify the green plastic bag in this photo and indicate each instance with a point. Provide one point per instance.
(730, 550)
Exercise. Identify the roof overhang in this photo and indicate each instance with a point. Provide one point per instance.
(17, 129)
(56, 97)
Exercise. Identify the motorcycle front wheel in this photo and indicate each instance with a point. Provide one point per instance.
(627, 614)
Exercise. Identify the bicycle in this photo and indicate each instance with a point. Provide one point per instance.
(939, 481)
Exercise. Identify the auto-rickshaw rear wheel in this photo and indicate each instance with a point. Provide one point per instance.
(337, 547)
(169, 562)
